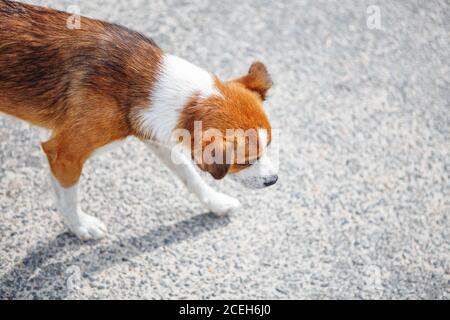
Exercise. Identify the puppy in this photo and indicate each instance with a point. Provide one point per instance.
(102, 83)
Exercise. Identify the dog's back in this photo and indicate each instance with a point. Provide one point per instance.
(49, 71)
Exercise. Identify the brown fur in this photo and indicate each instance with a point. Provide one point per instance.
(83, 84)
(257, 80)
(88, 86)
(239, 107)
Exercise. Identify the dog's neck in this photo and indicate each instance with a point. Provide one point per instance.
(177, 83)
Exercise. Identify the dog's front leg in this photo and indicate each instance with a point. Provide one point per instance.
(219, 203)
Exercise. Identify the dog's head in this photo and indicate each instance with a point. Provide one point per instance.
(231, 132)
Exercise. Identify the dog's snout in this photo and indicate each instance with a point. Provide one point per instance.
(270, 181)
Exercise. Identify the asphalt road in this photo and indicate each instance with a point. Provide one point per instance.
(363, 202)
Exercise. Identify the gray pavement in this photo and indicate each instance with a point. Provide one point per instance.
(363, 202)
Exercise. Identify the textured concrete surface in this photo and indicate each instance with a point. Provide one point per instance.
(362, 207)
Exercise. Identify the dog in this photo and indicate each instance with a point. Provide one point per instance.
(98, 84)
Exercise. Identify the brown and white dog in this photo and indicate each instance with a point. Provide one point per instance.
(101, 83)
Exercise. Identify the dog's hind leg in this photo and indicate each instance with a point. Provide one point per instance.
(219, 203)
(66, 157)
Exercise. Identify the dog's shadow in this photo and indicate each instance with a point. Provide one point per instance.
(34, 277)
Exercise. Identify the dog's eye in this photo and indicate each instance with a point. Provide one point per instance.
(243, 165)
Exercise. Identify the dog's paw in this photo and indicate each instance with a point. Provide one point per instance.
(221, 204)
(88, 228)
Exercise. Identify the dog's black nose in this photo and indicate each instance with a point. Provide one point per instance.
(270, 181)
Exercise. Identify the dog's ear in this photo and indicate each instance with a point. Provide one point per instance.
(213, 158)
(258, 79)
(218, 171)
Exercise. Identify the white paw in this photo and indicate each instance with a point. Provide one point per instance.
(87, 227)
(220, 204)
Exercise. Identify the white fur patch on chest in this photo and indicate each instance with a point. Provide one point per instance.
(177, 81)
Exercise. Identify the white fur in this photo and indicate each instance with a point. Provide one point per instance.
(219, 203)
(177, 81)
(84, 226)
(108, 148)
(261, 172)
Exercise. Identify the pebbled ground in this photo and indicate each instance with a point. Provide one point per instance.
(363, 203)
